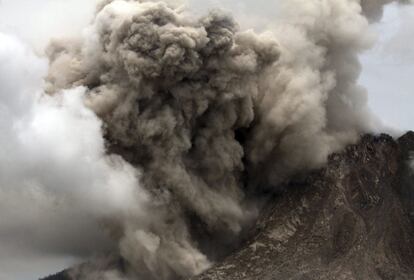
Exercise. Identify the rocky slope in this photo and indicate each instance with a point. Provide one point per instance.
(347, 221)
(354, 219)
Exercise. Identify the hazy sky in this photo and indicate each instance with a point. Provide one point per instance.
(388, 69)
(388, 73)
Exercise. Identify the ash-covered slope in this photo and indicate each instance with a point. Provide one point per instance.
(350, 220)
(347, 221)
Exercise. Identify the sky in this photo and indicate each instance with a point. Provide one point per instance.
(388, 71)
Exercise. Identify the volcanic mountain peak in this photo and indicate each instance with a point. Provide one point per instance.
(349, 220)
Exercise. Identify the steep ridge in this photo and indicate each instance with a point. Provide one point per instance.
(353, 219)
(347, 221)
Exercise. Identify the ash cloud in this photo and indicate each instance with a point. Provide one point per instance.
(154, 126)
(172, 94)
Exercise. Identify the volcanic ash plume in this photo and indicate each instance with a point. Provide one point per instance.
(205, 111)
(172, 94)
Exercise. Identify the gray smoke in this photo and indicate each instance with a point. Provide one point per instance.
(312, 105)
(374, 9)
(172, 94)
(196, 114)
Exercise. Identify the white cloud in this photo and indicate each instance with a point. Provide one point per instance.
(56, 182)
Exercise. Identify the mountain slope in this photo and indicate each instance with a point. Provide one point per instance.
(346, 221)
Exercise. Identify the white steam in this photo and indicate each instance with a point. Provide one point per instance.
(56, 180)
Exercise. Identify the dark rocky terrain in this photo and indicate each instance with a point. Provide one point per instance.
(354, 219)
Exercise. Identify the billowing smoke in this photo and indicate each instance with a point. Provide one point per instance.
(173, 93)
(312, 103)
(153, 126)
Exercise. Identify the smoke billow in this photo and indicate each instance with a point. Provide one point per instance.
(172, 94)
(156, 125)
(312, 103)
